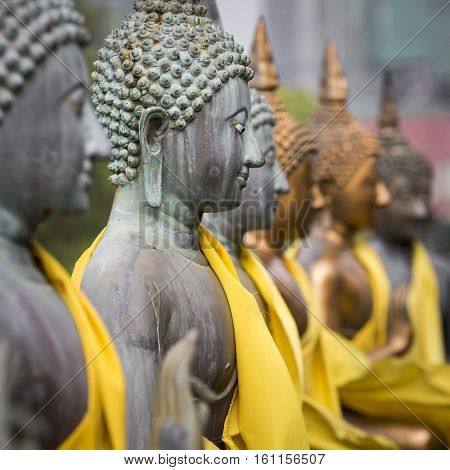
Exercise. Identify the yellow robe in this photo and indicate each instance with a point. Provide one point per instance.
(416, 386)
(327, 362)
(265, 412)
(103, 426)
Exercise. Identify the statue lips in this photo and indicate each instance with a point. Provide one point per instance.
(86, 177)
(243, 177)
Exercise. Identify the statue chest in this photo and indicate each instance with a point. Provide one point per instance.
(48, 357)
(197, 300)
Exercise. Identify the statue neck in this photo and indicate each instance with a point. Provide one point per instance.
(390, 239)
(174, 225)
(339, 234)
(230, 235)
(268, 251)
(269, 244)
(15, 228)
(395, 243)
(336, 231)
(15, 255)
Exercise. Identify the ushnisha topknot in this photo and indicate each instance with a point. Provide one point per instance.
(166, 54)
(30, 30)
(262, 113)
(293, 140)
(400, 158)
(344, 145)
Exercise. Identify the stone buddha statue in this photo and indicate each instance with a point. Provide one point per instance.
(171, 89)
(46, 157)
(260, 198)
(401, 225)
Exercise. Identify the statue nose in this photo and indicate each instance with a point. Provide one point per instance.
(97, 145)
(281, 183)
(254, 157)
(420, 209)
(383, 196)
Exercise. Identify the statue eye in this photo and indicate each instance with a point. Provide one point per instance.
(76, 106)
(238, 126)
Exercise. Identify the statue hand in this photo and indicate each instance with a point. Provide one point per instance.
(400, 328)
(178, 421)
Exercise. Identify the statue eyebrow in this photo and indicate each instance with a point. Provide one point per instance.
(269, 149)
(68, 92)
(236, 114)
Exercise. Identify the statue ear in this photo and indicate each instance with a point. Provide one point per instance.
(319, 200)
(152, 127)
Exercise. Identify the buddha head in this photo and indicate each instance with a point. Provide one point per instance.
(294, 144)
(266, 184)
(345, 174)
(48, 130)
(171, 89)
(407, 174)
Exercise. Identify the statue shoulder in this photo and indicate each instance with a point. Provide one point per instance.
(126, 281)
(325, 271)
(13, 296)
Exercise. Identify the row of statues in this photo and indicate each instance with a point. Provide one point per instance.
(260, 283)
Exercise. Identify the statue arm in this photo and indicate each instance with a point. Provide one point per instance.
(177, 418)
(296, 305)
(326, 280)
(16, 430)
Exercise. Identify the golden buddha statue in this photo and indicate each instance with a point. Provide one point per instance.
(295, 148)
(349, 193)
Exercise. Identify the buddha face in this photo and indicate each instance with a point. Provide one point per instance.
(52, 157)
(356, 204)
(293, 207)
(83, 137)
(260, 198)
(208, 164)
(408, 214)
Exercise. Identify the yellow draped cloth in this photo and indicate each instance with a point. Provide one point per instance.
(282, 325)
(416, 386)
(265, 412)
(103, 425)
(328, 360)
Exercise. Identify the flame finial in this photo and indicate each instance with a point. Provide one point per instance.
(266, 73)
(388, 117)
(334, 85)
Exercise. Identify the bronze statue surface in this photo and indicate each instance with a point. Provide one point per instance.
(183, 147)
(348, 190)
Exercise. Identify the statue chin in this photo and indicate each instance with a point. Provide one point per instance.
(79, 203)
(225, 205)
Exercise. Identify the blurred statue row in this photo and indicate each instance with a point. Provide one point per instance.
(260, 283)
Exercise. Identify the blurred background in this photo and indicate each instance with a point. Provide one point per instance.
(368, 34)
